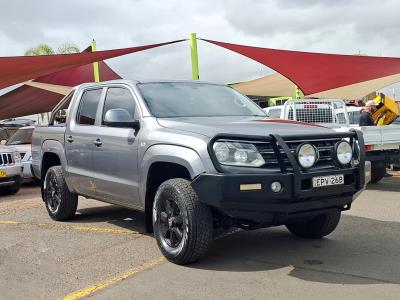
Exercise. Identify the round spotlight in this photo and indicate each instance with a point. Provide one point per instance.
(276, 186)
(344, 153)
(240, 156)
(306, 155)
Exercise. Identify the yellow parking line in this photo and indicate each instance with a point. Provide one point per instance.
(11, 222)
(68, 227)
(106, 283)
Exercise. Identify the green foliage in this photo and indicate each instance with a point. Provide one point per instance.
(68, 48)
(44, 49)
(41, 49)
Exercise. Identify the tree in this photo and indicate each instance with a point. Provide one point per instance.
(44, 49)
(40, 49)
(67, 48)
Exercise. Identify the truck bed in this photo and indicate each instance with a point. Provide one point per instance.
(41, 134)
(381, 137)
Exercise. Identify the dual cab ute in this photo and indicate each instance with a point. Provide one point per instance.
(194, 157)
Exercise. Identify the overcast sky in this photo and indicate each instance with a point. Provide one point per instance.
(333, 26)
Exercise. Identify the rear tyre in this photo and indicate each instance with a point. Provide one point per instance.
(183, 226)
(60, 203)
(377, 173)
(317, 227)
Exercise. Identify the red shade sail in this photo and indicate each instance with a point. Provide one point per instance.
(317, 72)
(28, 100)
(18, 69)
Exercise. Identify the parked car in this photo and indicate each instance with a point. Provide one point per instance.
(21, 140)
(16, 122)
(194, 157)
(5, 134)
(382, 143)
(10, 170)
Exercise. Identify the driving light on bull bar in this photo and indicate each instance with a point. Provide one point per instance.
(237, 154)
(276, 186)
(307, 155)
(344, 153)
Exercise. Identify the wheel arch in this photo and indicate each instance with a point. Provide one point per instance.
(163, 162)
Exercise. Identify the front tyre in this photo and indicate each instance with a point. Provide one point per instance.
(60, 203)
(317, 227)
(183, 226)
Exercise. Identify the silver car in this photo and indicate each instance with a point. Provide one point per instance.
(10, 170)
(21, 140)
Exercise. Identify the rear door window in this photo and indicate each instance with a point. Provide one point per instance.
(88, 107)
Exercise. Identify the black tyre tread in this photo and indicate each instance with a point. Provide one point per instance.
(317, 227)
(202, 223)
(69, 201)
(377, 173)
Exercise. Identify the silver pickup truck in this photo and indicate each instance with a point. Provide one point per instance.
(194, 157)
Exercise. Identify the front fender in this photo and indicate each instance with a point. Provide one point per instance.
(183, 156)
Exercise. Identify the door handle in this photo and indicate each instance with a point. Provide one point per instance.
(97, 143)
(70, 139)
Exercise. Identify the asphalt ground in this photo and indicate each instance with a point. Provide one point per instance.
(105, 254)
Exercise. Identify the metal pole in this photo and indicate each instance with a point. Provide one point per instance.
(95, 64)
(194, 55)
(298, 93)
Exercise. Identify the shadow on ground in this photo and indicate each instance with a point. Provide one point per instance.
(360, 251)
(391, 184)
(112, 214)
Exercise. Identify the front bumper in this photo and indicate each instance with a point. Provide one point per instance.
(264, 206)
(13, 177)
(297, 199)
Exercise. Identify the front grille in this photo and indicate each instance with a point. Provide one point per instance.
(6, 159)
(325, 147)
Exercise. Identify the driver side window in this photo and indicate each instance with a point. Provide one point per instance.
(118, 97)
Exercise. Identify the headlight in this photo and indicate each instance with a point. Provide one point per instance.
(17, 157)
(307, 155)
(238, 154)
(344, 153)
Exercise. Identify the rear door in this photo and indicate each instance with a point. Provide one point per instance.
(116, 156)
(79, 142)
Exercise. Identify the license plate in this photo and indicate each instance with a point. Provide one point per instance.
(328, 180)
(3, 173)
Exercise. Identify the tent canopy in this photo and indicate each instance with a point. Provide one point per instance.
(18, 69)
(55, 76)
(43, 93)
(277, 85)
(317, 72)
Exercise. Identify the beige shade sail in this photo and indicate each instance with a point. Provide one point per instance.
(59, 89)
(270, 85)
(277, 85)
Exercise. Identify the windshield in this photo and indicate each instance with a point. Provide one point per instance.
(20, 137)
(181, 99)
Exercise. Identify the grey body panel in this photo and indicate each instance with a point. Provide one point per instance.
(117, 171)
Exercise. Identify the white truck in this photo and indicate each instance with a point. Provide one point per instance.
(382, 143)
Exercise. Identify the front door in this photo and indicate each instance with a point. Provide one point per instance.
(116, 155)
(79, 138)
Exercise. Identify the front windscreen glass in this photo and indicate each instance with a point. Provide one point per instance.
(181, 99)
(20, 137)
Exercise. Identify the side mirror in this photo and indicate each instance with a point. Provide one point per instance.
(119, 117)
(3, 142)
